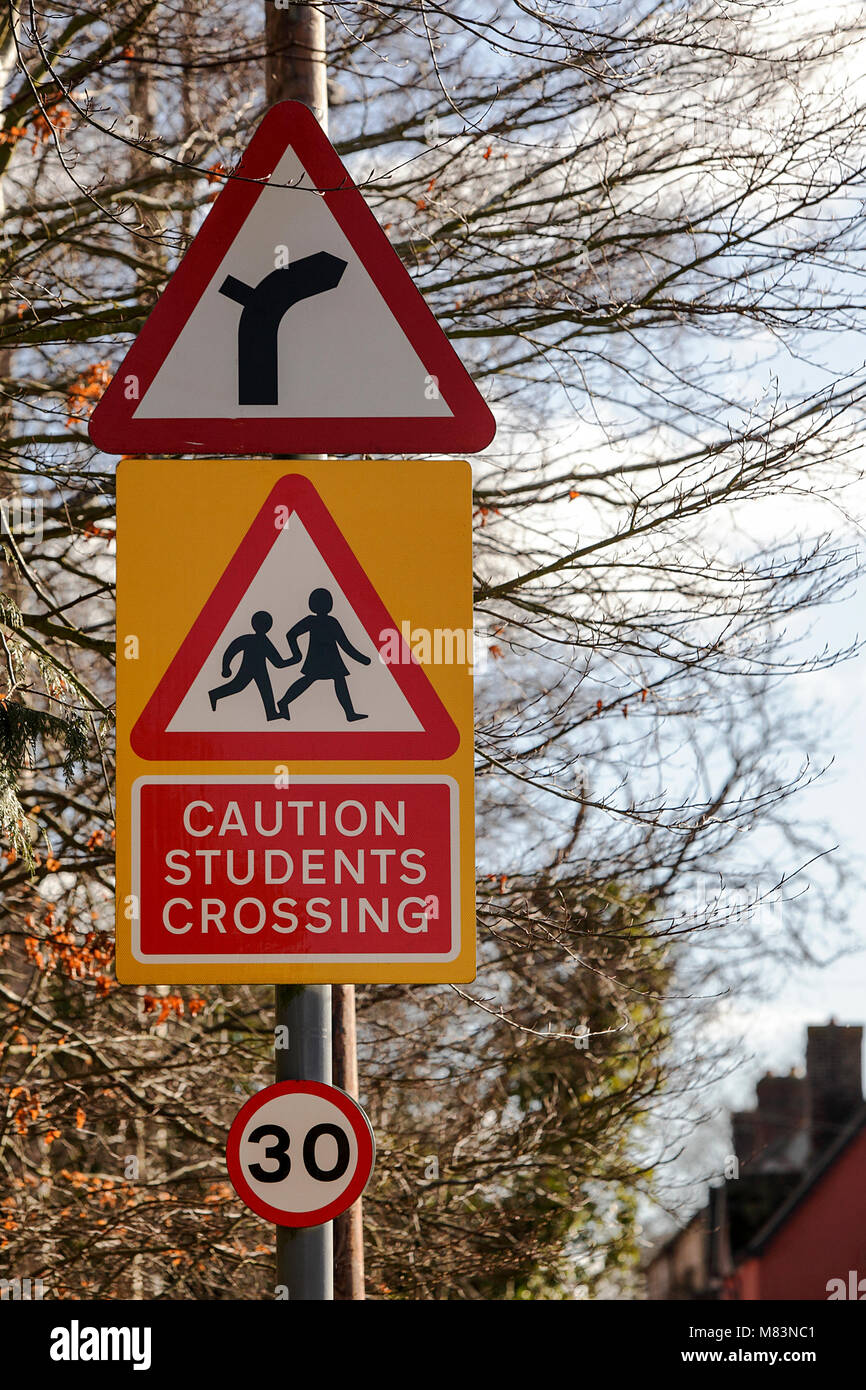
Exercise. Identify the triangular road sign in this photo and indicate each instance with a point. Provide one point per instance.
(291, 324)
(294, 656)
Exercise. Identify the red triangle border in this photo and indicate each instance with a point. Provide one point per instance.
(471, 426)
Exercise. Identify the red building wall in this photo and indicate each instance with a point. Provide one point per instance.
(823, 1238)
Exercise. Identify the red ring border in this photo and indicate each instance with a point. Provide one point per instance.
(364, 1136)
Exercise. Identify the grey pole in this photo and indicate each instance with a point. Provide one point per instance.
(295, 69)
(305, 1257)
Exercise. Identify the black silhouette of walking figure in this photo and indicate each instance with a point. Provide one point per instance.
(258, 650)
(323, 661)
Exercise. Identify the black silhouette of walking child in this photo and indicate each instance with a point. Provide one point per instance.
(323, 661)
(258, 650)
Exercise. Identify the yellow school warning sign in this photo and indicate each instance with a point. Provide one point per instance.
(295, 733)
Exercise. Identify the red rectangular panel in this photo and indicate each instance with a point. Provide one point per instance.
(323, 868)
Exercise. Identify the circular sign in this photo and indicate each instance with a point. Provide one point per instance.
(300, 1152)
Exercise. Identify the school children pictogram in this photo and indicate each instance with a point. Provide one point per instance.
(294, 595)
(325, 638)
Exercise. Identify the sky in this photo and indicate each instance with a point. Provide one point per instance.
(777, 1028)
(770, 1033)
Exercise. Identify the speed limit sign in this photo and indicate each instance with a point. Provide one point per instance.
(300, 1152)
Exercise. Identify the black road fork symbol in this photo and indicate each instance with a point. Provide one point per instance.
(264, 306)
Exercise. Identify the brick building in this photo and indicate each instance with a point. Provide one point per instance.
(792, 1223)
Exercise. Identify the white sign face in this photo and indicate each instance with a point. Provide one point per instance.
(300, 1152)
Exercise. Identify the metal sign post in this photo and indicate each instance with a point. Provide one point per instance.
(302, 1049)
(295, 67)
